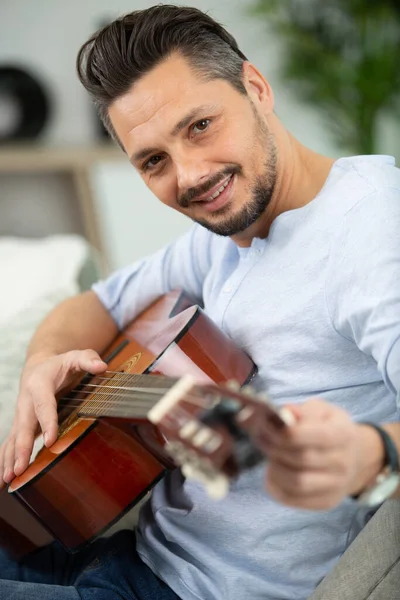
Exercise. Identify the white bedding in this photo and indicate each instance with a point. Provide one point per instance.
(36, 275)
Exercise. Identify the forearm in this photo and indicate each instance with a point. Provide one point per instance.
(78, 323)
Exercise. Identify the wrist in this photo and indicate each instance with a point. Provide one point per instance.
(371, 454)
(35, 358)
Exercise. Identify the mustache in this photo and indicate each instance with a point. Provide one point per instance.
(192, 193)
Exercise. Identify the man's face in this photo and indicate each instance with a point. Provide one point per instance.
(203, 148)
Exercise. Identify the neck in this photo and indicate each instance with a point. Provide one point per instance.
(300, 175)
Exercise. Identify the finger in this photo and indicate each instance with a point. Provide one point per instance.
(2, 451)
(300, 484)
(314, 459)
(316, 409)
(313, 413)
(325, 500)
(24, 440)
(45, 406)
(331, 434)
(9, 474)
(85, 360)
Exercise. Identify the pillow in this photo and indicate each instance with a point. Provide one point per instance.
(40, 273)
(14, 339)
(34, 268)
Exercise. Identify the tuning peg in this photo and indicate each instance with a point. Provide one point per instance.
(177, 450)
(201, 436)
(245, 414)
(248, 390)
(209, 444)
(189, 429)
(234, 385)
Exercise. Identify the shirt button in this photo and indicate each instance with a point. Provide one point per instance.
(227, 289)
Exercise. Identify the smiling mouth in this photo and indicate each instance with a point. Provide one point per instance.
(219, 198)
(217, 193)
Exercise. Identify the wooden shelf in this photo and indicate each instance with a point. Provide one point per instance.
(27, 158)
(71, 162)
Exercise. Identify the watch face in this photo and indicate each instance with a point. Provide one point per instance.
(382, 490)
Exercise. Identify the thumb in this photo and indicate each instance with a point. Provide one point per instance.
(313, 409)
(87, 360)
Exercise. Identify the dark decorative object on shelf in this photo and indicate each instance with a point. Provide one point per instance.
(24, 105)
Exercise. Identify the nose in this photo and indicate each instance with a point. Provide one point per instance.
(191, 171)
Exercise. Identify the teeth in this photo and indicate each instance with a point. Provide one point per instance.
(217, 193)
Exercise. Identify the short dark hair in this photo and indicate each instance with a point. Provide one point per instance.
(117, 55)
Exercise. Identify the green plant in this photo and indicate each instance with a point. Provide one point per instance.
(344, 57)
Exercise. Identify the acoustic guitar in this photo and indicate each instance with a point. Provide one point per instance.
(172, 395)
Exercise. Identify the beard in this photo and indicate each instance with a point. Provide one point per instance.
(223, 222)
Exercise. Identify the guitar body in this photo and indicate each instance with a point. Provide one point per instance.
(98, 469)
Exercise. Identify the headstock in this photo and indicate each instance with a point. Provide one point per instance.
(210, 429)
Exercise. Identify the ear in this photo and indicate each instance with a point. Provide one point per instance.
(258, 88)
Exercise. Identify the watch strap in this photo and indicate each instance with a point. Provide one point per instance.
(391, 457)
(391, 454)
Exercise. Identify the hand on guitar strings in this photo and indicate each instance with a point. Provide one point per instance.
(36, 410)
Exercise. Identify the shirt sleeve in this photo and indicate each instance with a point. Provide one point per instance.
(363, 281)
(182, 264)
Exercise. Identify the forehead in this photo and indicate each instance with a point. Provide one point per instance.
(162, 95)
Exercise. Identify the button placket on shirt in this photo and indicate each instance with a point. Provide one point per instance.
(245, 265)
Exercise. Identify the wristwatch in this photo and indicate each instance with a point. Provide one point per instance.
(388, 479)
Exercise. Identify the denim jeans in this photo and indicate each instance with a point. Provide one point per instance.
(109, 569)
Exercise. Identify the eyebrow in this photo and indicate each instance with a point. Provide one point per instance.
(182, 124)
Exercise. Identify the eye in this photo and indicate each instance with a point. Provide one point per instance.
(152, 162)
(201, 126)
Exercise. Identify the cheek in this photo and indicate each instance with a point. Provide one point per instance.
(237, 148)
(227, 148)
(164, 189)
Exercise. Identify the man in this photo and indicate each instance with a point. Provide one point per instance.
(296, 256)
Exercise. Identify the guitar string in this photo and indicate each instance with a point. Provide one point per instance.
(152, 394)
(69, 402)
(76, 402)
(106, 397)
(133, 376)
(119, 406)
(100, 388)
(117, 409)
(106, 388)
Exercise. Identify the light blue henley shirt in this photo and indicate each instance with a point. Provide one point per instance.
(317, 306)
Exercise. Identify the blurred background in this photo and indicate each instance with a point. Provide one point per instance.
(72, 209)
(333, 66)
